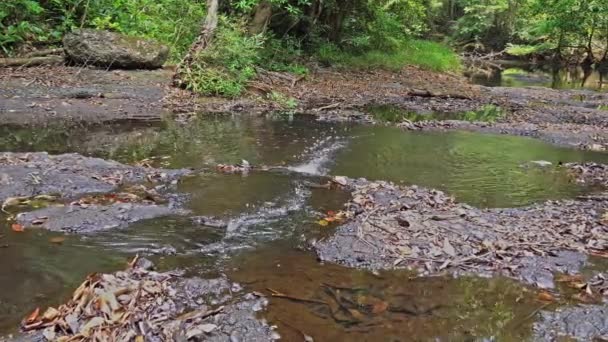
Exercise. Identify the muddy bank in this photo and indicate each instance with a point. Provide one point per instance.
(48, 94)
(141, 304)
(427, 231)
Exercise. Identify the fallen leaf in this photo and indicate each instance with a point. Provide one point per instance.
(57, 239)
(323, 223)
(448, 248)
(139, 338)
(379, 307)
(16, 227)
(565, 278)
(545, 297)
(50, 314)
(207, 328)
(95, 322)
(33, 316)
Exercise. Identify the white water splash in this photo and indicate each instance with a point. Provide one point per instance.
(320, 156)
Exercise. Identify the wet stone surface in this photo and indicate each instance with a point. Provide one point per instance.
(427, 231)
(70, 175)
(582, 323)
(94, 218)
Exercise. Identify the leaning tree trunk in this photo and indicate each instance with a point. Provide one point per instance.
(201, 43)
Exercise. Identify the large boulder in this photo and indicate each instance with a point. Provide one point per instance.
(114, 50)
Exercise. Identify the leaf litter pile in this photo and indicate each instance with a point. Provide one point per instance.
(139, 304)
(427, 231)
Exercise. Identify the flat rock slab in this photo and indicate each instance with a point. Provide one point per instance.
(93, 218)
(427, 231)
(70, 175)
(581, 323)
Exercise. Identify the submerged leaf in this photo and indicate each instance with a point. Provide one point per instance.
(33, 316)
(16, 227)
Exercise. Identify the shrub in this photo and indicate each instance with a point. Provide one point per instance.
(226, 65)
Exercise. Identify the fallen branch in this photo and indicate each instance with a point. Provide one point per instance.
(33, 61)
(277, 294)
(427, 93)
(45, 52)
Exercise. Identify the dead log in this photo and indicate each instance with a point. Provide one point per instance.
(32, 61)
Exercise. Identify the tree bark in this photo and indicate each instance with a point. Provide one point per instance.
(201, 43)
(261, 18)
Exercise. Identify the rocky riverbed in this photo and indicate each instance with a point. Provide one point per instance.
(548, 245)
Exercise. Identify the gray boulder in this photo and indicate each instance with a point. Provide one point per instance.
(114, 50)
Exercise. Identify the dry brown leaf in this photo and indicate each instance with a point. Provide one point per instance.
(93, 323)
(565, 278)
(16, 227)
(31, 318)
(57, 239)
(545, 296)
(380, 307)
(50, 314)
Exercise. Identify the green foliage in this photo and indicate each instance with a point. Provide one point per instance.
(226, 65)
(283, 55)
(426, 54)
(173, 22)
(388, 113)
(283, 100)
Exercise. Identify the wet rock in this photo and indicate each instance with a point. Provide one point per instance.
(581, 323)
(426, 231)
(209, 222)
(539, 270)
(114, 50)
(70, 175)
(93, 218)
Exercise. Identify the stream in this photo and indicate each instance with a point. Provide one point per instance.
(271, 215)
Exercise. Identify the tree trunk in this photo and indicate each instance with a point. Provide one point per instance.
(261, 18)
(201, 43)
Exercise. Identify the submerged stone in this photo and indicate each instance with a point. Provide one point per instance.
(114, 50)
(77, 219)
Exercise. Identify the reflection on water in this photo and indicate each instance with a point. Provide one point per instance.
(277, 205)
(545, 76)
(352, 305)
(482, 170)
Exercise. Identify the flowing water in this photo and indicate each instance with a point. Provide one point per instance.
(271, 214)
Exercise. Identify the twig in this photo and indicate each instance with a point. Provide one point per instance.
(532, 314)
(277, 294)
(331, 106)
